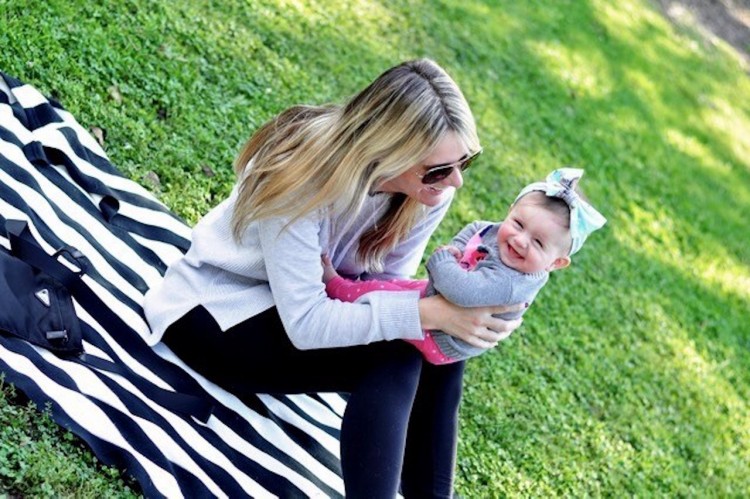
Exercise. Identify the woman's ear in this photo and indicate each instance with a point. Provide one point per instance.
(559, 263)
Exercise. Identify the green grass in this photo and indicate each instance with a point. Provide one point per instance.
(631, 374)
(40, 459)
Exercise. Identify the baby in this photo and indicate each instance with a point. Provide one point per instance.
(490, 264)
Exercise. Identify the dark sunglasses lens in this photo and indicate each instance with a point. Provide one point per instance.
(436, 175)
(442, 172)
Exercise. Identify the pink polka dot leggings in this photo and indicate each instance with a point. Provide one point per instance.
(348, 291)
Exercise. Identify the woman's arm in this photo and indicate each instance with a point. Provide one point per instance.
(311, 319)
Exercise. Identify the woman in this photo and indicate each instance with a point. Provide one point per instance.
(365, 183)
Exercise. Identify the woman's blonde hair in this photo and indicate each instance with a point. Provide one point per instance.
(333, 156)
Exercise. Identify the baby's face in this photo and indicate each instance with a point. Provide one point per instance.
(533, 239)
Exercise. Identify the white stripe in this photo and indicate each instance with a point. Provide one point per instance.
(153, 218)
(291, 417)
(28, 96)
(268, 462)
(81, 410)
(84, 136)
(123, 354)
(4, 88)
(143, 215)
(337, 403)
(51, 136)
(8, 118)
(320, 412)
(166, 252)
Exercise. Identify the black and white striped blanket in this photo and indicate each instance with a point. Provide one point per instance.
(55, 175)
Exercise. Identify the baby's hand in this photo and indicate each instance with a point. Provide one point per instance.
(328, 271)
(452, 249)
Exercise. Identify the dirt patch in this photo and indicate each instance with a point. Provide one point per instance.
(728, 20)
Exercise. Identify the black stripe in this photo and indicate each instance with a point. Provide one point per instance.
(334, 432)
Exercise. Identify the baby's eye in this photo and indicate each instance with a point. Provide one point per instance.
(539, 243)
(518, 223)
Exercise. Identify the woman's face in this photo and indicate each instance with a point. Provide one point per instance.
(449, 150)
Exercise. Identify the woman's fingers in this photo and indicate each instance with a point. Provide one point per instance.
(501, 326)
(498, 333)
(495, 331)
(480, 343)
(474, 325)
(504, 309)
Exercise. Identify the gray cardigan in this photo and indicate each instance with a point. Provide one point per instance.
(282, 268)
(490, 283)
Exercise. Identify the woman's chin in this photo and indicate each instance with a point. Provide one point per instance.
(432, 196)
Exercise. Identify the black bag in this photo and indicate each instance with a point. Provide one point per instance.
(34, 305)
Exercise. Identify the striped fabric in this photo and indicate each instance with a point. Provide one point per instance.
(56, 176)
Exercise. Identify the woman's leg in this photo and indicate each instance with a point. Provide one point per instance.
(256, 356)
(429, 462)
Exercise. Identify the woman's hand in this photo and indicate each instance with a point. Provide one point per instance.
(476, 325)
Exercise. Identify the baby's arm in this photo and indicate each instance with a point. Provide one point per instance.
(462, 238)
(484, 286)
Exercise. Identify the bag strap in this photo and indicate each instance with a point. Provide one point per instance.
(25, 247)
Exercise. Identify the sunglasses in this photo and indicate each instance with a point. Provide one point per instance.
(435, 174)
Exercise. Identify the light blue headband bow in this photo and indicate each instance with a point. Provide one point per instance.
(584, 219)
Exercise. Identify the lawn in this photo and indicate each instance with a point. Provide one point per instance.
(631, 373)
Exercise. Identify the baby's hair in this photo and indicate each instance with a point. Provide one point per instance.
(554, 205)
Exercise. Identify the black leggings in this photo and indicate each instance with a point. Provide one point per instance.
(400, 424)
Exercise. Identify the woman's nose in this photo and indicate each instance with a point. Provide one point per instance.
(455, 179)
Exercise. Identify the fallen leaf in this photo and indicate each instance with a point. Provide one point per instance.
(207, 171)
(150, 178)
(99, 134)
(115, 95)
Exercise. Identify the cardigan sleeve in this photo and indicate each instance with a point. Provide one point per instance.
(313, 320)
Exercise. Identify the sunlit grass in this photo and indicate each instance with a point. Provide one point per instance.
(731, 123)
(581, 72)
(651, 233)
(699, 152)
